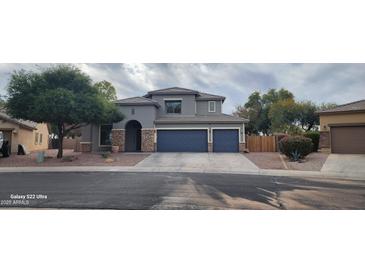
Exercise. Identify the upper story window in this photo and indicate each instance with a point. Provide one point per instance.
(133, 111)
(106, 135)
(173, 106)
(211, 106)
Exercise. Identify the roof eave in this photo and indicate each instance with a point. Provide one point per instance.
(197, 122)
(211, 99)
(325, 112)
(14, 121)
(138, 104)
(172, 93)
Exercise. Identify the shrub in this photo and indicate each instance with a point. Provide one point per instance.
(295, 147)
(314, 136)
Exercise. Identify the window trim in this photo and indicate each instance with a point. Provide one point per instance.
(40, 138)
(215, 103)
(100, 145)
(36, 138)
(176, 100)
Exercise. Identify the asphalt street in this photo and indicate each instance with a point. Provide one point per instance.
(125, 190)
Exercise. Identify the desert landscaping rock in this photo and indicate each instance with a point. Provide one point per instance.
(272, 160)
(72, 158)
(266, 160)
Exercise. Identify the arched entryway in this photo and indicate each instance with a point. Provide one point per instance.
(133, 136)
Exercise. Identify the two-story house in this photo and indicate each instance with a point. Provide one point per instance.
(169, 120)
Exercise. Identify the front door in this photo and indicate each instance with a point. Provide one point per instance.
(133, 136)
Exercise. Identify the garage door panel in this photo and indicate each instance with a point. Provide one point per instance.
(182, 141)
(348, 140)
(225, 140)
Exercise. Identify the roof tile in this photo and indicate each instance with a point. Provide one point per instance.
(349, 107)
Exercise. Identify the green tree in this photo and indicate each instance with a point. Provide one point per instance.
(282, 115)
(107, 89)
(294, 117)
(277, 111)
(306, 115)
(257, 109)
(2, 102)
(253, 110)
(327, 106)
(274, 96)
(62, 96)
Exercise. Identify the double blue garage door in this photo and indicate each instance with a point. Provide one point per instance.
(224, 140)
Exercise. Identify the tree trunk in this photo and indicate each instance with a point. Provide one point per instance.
(60, 140)
(309, 127)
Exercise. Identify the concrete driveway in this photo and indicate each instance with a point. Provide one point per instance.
(352, 164)
(199, 161)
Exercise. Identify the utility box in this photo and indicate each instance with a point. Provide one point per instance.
(40, 157)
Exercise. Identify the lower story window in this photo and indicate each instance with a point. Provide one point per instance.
(106, 135)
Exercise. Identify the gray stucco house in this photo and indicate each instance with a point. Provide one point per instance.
(169, 120)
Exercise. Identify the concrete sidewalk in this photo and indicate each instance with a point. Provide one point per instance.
(268, 172)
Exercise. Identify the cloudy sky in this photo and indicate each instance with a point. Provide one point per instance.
(337, 83)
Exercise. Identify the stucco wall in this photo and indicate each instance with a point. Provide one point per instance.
(42, 129)
(86, 133)
(26, 137)
(146, 115)
(202, 108)
(90, 133)
(326, 120)
(187, 105)
(95, 141)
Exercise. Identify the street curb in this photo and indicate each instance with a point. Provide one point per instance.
(265, 172)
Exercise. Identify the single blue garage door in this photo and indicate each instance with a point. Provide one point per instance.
(182, 141)
(225, 140)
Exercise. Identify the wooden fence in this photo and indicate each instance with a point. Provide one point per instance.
(261, 143)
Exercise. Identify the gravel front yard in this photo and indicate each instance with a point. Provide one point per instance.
(79, 159)
(272, 160)
(313, 161)
(266, 160)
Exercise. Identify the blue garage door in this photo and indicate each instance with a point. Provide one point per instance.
(182, 141)
(225, 140)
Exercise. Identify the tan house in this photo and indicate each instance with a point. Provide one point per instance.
(34, 136)
(343, 128)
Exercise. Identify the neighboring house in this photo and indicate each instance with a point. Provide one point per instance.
(343, 128)
(34, 136)
(169, 120)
